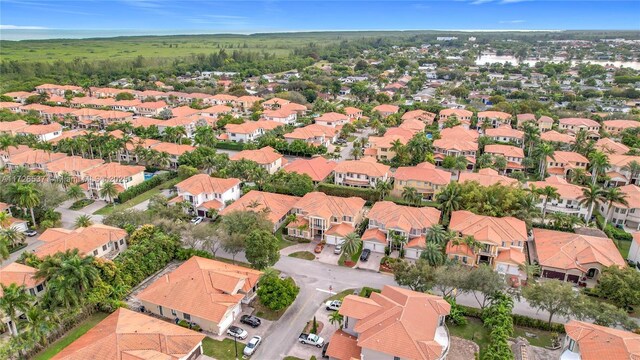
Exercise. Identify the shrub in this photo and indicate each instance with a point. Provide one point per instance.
(371, 195)
(276, 293)
(366, 291)
(183, 323)
(227, 145)
(145, 186)
(456, 315)
(184, 254)
(525, 321)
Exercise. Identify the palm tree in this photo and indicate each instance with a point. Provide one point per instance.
(437, 234)
(411, 195)
(162, 159)
(26, 196)
(528, 208)
(613, 195)
(4, 219)
(433, 254)
(543, 151)
(531, 136)
(39, 323)
(356, 152)
(599, 162)
(14, 300)
(459, 164)
(383, 187)
(12, 236)
(68, 277)
(75, 192)
(109, 191)
(204, 136)
(351, 244)
(633, 167)
(549, 193)
(4, 249)
(450, 200)
(83, 221)
(336, 319)
(590, 196)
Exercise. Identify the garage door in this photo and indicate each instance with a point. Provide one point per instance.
(573, 278)
(549, 274)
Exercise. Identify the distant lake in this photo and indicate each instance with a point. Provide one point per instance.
(491, 59)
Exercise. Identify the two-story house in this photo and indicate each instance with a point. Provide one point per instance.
(97, 240)
(332, 119)
(282, 115)
(399, 228)
(276, 206)
(562, 162)
(421, 115)
(573, 125)
(36, 160)
(314, 134)
(487, 177)
(514, 155)
(506, 134)
(396, 323)
(619, 173)
(615, 127)
(217, 291)
(365, 172)
(151, 108)
(174, 151)
(498, 243)
(249, 130)
(21, 275)
(205, 193)
(569, 197)
(6, 154)
(318, 168)
(76, 166)
(266, 157)
(611, 147)
(122, 176)
(559, 140)
(463, 116)
(386, 109)
(494, 118)
(588, 341)
(324, 217)
(424, 177)
(42, 132)
(626, 215)
(353, 112)
(572, 257)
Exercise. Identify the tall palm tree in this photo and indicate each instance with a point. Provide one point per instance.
(433, 254)
(590, 197)
(26, 196)
(599, 162)
(633, 167)
(336, 319)
(65, 180)
(356, 152)
(83, 221)
(12, 236)
(411, 195)
(437, 234)
(351, 244)
(39, 323)
(162, 159)
(205, 136)
(549, 193)
(14, 300)
(4, 249)
(69, 277)
(543, 151)
(450, 199)
(383, 188)
(459, 164)
(613, 196)
(75, 192)
(109, 191)
(527, 208)
(531, 136)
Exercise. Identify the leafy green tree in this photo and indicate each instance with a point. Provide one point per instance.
(621, 286)
(483, 282)
(14, 300)
(69, 277)
(276, 293)
(613, 196)
(262, 249)
(26, 196)
(457, 163)
(450, 279)
(553, 296)
(418, 276)
(450, 200)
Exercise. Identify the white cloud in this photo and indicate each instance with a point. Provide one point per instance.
(511, 21)
(18, 27)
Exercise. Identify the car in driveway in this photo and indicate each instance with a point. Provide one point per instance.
(333, 305)
(31, 233)
(250, 320)
(324, 350)
(318, 249)
(252, 345)
(197, 220)
(365, 255)
(311, 339)
(338, 249)
(237, 332)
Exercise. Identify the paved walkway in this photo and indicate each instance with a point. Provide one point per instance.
(69, 216)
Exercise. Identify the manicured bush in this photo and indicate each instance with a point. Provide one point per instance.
(184, 254)
(371, 195)
(525, 321)
(183, 323)
(80, 204)
(145, 186)
(366, 291)
(228, 145)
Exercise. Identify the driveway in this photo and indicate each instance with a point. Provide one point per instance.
(306, 351)
(373, 264)
(69, 216)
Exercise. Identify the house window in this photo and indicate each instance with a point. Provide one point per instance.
(104, 247)
(572, 345)
(32, 292)
(186, 316)
(95, 252)
(160, 310)
(39, 288)
(121, 241)
(173, 312)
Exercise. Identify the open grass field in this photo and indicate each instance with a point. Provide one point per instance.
(130, 47)
(71, 336)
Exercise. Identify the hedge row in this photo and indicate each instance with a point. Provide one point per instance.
(518, 320)
(145, 186)
(228, 145)
(612, 231)
(370, 195)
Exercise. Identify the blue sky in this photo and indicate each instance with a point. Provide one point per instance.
(272, 15)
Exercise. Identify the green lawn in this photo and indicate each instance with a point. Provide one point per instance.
(71, 336)
(138, 199)
(291, 358)
(623, 247)
(303, 255)
(221, 350)
(341, 295)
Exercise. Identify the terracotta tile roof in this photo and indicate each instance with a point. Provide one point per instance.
(423, 173)
(331, 117)
(249, 127)
(319, 204)
(488, 229)
(598, 342)
(311, 131)
(387, 108)
(405, 133)
(622, 160)
(358, 307)
(522, 118)
(579, 122)
(114, 170)
(84, 239)
(403, 324)
(224, 97)
(367, 166)
(568, 251)
(173, 149)
(387, 141)
(565, 189)
(342, 230)
(494, 114)
(145, 122)
(264, 156)
(18, 274)
(68, 135)
(276, 101)
(202, 287)
(487, 177)
(419, 242)
(457, 112)
(349, 110)
(184, 111)
(73, 163)
(12, 126)
(458, 132)
(419, 115)
(343, 346)
(567, 157)
(455, 144)
(34, 157)
(317, 168)
(41, 129)
(414, 125)
(124, 333)
(278, 205)
(152, 105)
(459, 249)
(374, 234)
(217, 109)
(609, 146)
(513, 256)
(14, 150)
(9, 105)
(621, 124)
(545, 120)
(505, 131)
(504, 150)
(249, 99)
(203, 183)
(282, 112)
(403, 217)
(632, 193)
(554, 136)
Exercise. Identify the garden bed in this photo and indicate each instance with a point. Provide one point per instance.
(306, 255)
(309, 327)
(81, 204)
